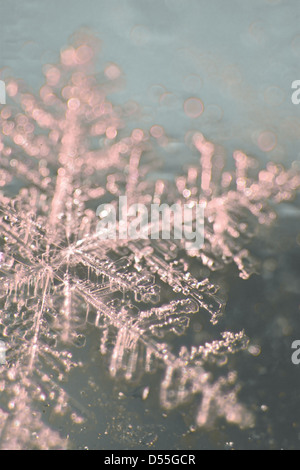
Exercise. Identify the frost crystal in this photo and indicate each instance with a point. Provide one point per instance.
(67, 152)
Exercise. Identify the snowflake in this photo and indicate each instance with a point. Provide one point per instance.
(67, 151)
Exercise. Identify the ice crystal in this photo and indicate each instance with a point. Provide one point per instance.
(68, 152)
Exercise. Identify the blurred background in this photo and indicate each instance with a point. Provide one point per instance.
(239, 58)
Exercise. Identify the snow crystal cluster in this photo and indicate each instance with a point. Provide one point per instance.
(62, 154)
